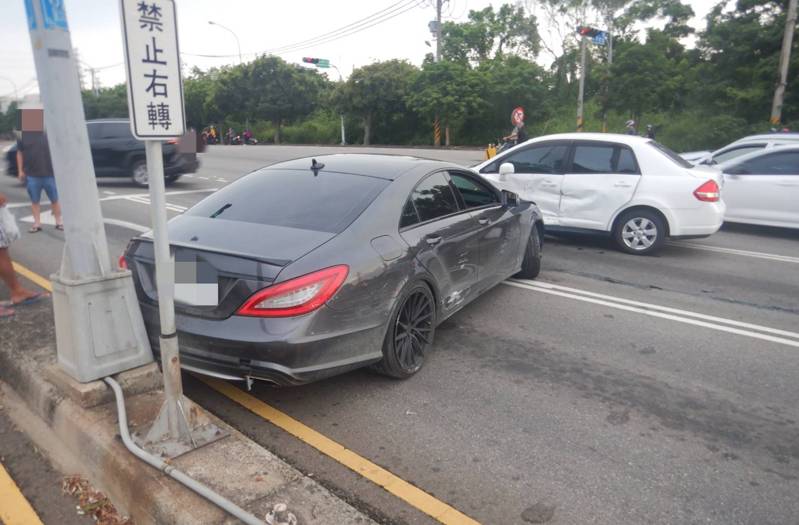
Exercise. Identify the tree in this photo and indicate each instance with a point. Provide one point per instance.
(376, 94)
(108, 103)
(490, 34)
(451, 89)
(269, 88)
(198, 90)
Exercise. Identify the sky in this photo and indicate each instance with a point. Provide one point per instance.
(260, 25)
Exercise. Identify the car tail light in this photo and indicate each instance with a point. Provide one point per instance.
(123, 264)
(708, 192)
(172, 141)
(296, 296)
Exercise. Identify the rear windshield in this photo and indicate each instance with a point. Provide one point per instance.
(327, 202)
(670, 154)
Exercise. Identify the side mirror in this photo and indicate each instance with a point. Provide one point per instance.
(504, 169)
(509, 199)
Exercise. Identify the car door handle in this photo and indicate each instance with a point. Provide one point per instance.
(483, 221)
(432, 240)
(622, 185)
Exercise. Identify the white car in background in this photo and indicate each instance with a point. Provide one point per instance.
(740, 147)
(763, 187)
(631, 187)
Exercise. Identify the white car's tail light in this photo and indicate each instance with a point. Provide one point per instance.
(708, 192)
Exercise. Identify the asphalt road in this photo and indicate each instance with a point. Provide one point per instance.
(613, 389)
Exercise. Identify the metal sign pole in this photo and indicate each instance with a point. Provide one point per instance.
(165, 282)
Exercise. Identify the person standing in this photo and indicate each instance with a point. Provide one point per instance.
(35, 167)
(19, 294)
(631, 128)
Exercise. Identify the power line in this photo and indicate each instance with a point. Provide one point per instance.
(363, 24)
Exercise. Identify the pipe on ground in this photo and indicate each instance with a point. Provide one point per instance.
(154, 461)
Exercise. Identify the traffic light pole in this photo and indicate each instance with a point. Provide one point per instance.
(99, 328)
(341, 115)
(785, 58)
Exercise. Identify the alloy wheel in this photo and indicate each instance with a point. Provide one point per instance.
(639, 233)
(140, 175)
(412, 331)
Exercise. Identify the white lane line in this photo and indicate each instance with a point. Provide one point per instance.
(109, 192)
(115, 197)
(181, 192)
(733, 251)
(129, 225)
(220, 179)
(188, 176)
(146, 201)
(721, 324)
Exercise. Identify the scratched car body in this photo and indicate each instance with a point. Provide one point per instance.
(313, 267)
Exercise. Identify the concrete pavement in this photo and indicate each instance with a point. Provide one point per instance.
(546, 400)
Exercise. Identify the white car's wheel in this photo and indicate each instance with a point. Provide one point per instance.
(640, 232)
(139, 173)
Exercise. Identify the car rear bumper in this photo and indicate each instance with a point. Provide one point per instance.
(183, 163)
(279, 351)
(700, 221)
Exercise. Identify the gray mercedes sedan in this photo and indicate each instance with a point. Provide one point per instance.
(312, 267)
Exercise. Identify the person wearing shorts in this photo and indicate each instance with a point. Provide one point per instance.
(35, 170)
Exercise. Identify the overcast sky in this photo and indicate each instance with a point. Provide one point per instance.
(261, 25)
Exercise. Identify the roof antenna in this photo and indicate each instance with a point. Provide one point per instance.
(316, 166)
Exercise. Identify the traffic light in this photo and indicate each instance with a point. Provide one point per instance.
(318, 62)
(597, 35)
(590, 32)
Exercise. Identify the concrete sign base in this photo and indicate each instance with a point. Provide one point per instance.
(99, 329)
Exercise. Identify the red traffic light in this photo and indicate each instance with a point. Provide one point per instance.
(587, 31)
(309, 60)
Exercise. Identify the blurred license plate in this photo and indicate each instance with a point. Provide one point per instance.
(196, 283)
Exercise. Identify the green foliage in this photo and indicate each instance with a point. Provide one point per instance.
(376, 94)
(490, 34)
(108, 103)
(697, 98)
(8, 121)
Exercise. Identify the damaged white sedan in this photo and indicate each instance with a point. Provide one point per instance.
(630, 187)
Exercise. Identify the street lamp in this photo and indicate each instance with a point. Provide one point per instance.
(238, 45)
(341, 116)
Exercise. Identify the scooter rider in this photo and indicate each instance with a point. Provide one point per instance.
(518, 135)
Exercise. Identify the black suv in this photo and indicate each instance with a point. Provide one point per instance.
(117, 153)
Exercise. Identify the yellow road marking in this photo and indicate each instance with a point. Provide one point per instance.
(14, 509)
(33, 277)
(399, 487)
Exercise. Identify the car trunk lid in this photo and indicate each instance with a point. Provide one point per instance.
(220, 263)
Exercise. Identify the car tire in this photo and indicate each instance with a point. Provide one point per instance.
(171, 179)
(640, 232)
(405, 344)
(531, 264)
(138, 173)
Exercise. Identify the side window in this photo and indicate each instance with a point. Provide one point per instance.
(627, 163)
(546, 158)
(95, 131)
(737, 152)
(117, 130)
(784, 163)
(409, 216)
(590, 158)
(433, 198)
(474, 194)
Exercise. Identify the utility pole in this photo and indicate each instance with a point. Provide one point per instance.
(341, 115)
(99, 328)
(437, 121)
(610, 68)
(582, 84)
(785, 58)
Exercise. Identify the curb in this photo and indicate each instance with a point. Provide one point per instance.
(86, 441)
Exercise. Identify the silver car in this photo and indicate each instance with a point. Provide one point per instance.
(763, 187)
